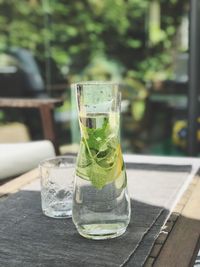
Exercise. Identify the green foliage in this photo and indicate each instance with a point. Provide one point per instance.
(100, 159)
(78, 31)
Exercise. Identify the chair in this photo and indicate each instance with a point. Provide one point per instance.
(18, 158)
(45, 107)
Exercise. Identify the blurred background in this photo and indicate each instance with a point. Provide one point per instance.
(48, 44)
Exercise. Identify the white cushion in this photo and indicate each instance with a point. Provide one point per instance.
(21, 157)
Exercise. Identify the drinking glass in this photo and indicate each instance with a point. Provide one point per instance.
(57, 180)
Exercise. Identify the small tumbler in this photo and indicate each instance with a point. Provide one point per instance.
(57, 178)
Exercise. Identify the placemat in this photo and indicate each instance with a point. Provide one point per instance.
(28, 238)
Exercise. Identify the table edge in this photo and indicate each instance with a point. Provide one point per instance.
(17, 183)
(169, 240)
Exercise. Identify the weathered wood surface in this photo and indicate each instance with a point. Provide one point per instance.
(182, 245)
(17, 183)
(29, 102)
(28, 238)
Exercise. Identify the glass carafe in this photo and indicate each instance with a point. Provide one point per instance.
(101, 203)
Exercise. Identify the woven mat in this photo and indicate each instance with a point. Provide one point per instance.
(28, 238)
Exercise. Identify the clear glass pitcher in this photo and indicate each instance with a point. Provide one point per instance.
(101, 203)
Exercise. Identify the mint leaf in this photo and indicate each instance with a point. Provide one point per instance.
(100, 159)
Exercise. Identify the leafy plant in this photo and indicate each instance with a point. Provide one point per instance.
(72, 33)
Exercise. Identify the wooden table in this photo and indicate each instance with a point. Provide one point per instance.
(164, 228)
(45, 107)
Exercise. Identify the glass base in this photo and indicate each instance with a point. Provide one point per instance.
(101, 231)
(59, 209)
(58, 214)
